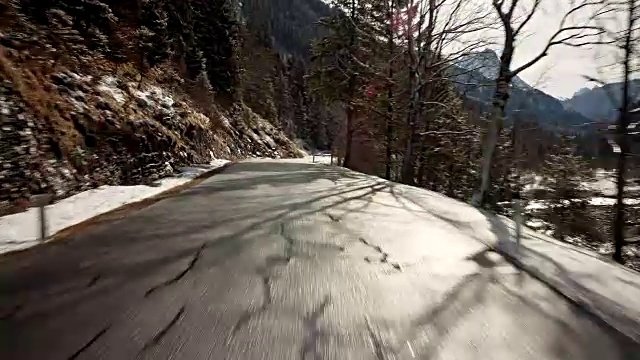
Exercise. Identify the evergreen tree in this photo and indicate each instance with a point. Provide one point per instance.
(566, 199)
(340, 63)
(216, 27)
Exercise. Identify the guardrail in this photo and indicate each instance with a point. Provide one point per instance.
(314, 155)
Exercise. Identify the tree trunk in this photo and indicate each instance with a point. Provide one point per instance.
(418, 91)
(422, 164)
(408, 164)
(496, 117)
(389, 115)
(351, 95)
(451, 180)
(407, 172)
(388, 139)
(349, 139)
(623, 143)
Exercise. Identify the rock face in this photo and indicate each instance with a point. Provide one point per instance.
(124, 133)
(71, 120)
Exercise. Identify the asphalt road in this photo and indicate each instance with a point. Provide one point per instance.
(286, 260)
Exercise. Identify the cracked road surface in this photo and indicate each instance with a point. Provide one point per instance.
(288, 260)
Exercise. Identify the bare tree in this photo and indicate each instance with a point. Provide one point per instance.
(622, 34)
(514, 17)
(628, 49)
(339, 64)
(391, 49)
(444, 32)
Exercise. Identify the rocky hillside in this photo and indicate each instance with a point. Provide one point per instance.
(95, 93)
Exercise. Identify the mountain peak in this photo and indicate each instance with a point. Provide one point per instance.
(489, 52)
(487, 62)
(581, 91)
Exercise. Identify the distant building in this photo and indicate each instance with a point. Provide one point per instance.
(633, 132)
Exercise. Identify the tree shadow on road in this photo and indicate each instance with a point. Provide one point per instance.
(475, 294)
(440, 320)
(156, 239)
(607, 312)
(160, 239)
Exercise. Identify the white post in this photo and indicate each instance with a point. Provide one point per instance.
(41, 201)
(518, 220)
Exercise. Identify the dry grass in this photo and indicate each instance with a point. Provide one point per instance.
(32, 85)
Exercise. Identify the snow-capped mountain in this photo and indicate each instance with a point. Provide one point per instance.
(474, 77)
(584, 90)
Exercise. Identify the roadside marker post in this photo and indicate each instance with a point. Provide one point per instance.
(518, 219)
(41, 201)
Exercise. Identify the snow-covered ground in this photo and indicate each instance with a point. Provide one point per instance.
(21, 230)
(605, 184)
(607, 289)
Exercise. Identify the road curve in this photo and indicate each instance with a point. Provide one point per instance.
(288, 260)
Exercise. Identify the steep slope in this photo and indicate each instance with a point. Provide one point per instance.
(275, 64)
(289, 26)
(95, 93)
(601, 103)
(474, 77)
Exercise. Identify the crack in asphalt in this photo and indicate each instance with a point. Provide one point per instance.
(163, 332)
(265, 273)
(16, 308)
(90, 342)
(313, 333)
(93, 280)
(376, 342)
(180, 275)
(288, 251)
(333, 218)
(384, 256)
(267, 300)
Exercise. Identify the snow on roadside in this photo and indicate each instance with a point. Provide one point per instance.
(600, 201)
(20, 231)
(608, 290)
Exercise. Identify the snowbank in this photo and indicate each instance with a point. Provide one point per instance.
(608, 290)
(20, 231)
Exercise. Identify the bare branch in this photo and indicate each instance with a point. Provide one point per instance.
(528, 17)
